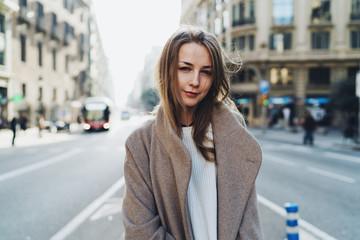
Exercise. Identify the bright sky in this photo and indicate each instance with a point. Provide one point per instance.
(128, 30)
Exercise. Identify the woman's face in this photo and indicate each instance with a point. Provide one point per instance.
(194, 74)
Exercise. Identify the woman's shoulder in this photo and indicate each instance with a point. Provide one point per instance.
(142, 133)
(231, 108)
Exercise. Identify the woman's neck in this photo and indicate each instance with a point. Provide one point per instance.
(187, 118)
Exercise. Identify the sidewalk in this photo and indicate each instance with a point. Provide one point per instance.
(331, 139)
(31, 137)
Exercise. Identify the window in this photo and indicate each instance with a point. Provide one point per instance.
(320, 40)
(251, 42)
(319, 76)
(54, 58)
(40, 93)
(351, 73)
(2, 36)
(233, 44)
(217, 26)
(281, 76)
(23, 88)
(23, 3)
(225, 20)
(283, 12)
(280, 41)
(242, 43)
(355, 10)
(69, 33)
(246, 75)
(243, 13)
(320, 11)
(40, 53)
(67, 63)
(23, 47)
(355, 39)
(54, 94)
(69, 5)
(252, 10)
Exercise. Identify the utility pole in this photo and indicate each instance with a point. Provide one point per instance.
(357, 83)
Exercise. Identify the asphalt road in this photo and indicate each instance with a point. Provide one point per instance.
(73, 189)
(323, 181)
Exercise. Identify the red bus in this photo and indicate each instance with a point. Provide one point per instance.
(96, 113)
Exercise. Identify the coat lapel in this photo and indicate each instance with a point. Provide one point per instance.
(238, 162)
(180, 160)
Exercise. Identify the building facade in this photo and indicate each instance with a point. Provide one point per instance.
(300, 47)
(49, 58)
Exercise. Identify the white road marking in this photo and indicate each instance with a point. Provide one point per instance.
(111, 207)
(38, 165)
(278, 160)
(342, 157)
(331, 175)
(318, 234)
(86, 213)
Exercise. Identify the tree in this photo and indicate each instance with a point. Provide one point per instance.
(342, 96)
(150, 99)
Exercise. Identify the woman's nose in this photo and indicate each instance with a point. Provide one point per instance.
(195, 78)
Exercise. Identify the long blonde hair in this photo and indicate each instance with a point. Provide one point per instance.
(166, 76)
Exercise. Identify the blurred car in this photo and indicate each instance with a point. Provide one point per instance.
(61, 126)
(125, 115)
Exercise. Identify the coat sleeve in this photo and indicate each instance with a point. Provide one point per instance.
(139, 212)
(251, 225)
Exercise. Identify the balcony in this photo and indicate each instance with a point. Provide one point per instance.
(56, 33)
(26, 16)
(68, 38)
(40, 25)
(354, 20)
(243, 21)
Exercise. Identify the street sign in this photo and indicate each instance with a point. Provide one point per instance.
(264, 87)
(358, 84)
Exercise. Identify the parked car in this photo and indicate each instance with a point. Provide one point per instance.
(125, 115)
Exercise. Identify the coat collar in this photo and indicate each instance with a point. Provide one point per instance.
(238, 159)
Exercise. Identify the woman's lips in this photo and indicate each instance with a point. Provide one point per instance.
(191, 94)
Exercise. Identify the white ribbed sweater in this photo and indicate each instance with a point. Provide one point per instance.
(202, 190)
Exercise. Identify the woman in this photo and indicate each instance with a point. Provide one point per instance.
(190, 172)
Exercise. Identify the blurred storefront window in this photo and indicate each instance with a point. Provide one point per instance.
(281, 76)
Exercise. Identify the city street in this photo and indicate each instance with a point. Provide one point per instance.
(73, 189)
(323, 180)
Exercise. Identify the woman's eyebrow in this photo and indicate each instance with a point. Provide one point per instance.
(190, 64)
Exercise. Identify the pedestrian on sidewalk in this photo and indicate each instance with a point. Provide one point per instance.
(40, 123)
(309, 126)
(190, 172)
(13, 126)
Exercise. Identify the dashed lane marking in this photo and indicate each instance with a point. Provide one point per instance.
(279, 160)
(38, 165)
(331, 175)
(342, 157)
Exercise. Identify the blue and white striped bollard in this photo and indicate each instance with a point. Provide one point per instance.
(292, 216)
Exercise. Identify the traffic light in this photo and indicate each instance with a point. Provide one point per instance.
(264, 99)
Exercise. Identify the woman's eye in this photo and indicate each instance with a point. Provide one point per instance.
(208, 73)
(184, 68)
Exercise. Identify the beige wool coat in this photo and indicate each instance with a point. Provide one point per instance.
(157, 172)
